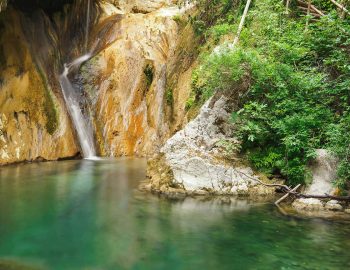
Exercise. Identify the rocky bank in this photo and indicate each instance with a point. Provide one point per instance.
(195, 160)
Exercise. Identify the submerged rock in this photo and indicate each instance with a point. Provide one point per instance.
(333, 205)
(309, 204)
(7, 264)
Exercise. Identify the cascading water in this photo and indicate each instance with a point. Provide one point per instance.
(81, 123)
(72, 98)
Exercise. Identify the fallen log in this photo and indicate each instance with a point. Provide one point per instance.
(241, 24)
(342, 8)
(314, 8)
(311, 13)
(326, 196)
(287, 194)
(293, 191)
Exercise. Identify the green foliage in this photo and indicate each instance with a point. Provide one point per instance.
(339, 134)
(169, 96)
(51, 115)
(229, 147)
(50, 109)
(299, 96)
(180, 20)
(221, 72)
(213, 12)
(220, 30)
(148, 71)
(190, 102)
(266, 160)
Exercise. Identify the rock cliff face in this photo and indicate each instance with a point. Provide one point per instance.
(137, 83)
(140, 80)
(33, 121)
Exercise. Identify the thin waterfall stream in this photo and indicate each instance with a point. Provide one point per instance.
(72, 98)
(81, 123)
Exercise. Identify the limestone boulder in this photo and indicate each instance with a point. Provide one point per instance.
(333, 205)
(193, 162)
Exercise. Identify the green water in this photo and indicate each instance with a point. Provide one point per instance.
(89, 215)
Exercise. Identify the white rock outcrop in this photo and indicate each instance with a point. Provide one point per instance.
(333, 205)
(195, 162)
(323, 170)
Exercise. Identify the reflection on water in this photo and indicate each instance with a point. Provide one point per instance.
(89, 215)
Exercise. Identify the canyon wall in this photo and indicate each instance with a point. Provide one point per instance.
(139, 84)
(33, 120)
(136, 84)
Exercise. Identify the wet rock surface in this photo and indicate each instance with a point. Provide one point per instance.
(135, 97)
(34, 124)
(127, 82)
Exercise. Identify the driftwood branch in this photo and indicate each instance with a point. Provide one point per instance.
(308, 15)
(241, 24)
(341, 7)
(293, 191)
(287, 6)
(312, 12)
(325, 196)
(313, 8)
(287, 194)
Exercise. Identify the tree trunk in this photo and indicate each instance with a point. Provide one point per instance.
(343, 13)
(308, 15)
(287, 194)
(241, 24)
(287, 6)
(342, 8)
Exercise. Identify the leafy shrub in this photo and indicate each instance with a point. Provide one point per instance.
(299, 96)
(149, 74)
(339, 143)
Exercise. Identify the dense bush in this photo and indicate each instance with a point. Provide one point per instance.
(214, 13)
(299, 96)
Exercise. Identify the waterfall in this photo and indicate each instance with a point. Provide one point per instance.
(81, 123)
(73, 98)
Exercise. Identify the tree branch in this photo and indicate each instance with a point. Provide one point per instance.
(293, 191)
